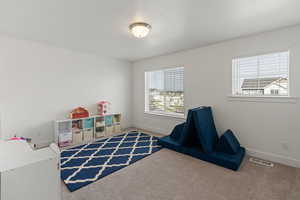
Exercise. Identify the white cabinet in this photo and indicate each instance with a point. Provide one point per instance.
(28, 174)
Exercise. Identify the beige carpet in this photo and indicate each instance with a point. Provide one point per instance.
(167, 175)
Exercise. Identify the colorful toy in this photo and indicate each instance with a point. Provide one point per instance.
(79, 113)
(103, 107)
(15, 138)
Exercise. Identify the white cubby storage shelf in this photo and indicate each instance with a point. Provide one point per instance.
(82, 130)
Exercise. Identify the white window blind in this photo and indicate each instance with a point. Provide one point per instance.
(164, 90)
(261, 75)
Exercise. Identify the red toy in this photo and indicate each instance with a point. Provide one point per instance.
(79, 113)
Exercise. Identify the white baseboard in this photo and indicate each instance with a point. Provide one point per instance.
(274, 158)
(251, 152)
(153, 129)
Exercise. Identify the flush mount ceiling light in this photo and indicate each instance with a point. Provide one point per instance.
(140, 29)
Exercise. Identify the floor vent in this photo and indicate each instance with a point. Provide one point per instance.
(261, 162)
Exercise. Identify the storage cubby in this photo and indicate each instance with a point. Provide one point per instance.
(100, 132)
(100, 122)
(88, 123)
(88, 129)
(76, 131)
(109, 130)
(116, 119)
(88, 134)
(77, 136)
(65, 127)
(117, 128)
(76, 124)
(64, 132)
(99, 127)
(108, 120)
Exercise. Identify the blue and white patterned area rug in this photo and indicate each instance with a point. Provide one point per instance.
(88, 163)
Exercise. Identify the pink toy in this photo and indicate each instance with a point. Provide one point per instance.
(16, 138)
(103, 107)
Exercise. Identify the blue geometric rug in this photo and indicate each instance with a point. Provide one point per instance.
(88, 163)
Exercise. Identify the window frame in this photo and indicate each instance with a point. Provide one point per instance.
(240, 96)
(146, 93)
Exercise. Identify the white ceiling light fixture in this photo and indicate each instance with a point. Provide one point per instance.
(140, 29)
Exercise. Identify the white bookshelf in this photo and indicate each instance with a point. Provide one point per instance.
(82, 130)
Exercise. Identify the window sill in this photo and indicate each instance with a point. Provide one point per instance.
(269, 99)
(173, 115)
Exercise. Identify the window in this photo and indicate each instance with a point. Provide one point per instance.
(164, 91)
(263, 75)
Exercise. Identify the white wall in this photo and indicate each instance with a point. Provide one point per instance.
(268, 130)
(39, 84)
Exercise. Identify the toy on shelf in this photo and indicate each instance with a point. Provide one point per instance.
(16, 138)
(79, 113)
(103, 107)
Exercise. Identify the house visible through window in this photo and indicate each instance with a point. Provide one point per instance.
(164, 91)
(263, 75)
(274, 92)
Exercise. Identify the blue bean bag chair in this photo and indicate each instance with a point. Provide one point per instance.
(198, 137)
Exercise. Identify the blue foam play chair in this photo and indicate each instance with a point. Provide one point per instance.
(198, 137)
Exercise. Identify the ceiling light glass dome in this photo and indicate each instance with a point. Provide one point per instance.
(140, 29)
